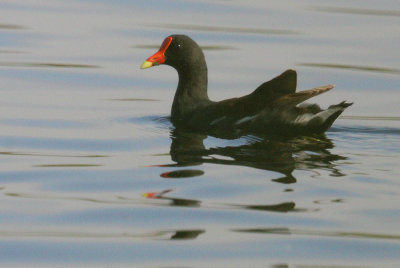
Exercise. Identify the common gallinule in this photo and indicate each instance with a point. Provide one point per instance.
(274, 107)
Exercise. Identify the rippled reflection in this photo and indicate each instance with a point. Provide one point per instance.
(184, 202)
(290, 231)
(157, 235)
(186, 234)
(283, 155)
(179, 202)
(282, 207)
(182, 173)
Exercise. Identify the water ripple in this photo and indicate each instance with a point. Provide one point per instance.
(67, 165)
(364, 129)
(224, 29)
(358, 11)
(352, 67)
(380, 118)
(203, 47)
(76, 144)
(12, 27)
(134, 99)
(46, 65)
(50, 155)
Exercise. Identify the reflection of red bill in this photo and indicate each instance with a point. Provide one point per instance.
(156, 194)
(150, 195)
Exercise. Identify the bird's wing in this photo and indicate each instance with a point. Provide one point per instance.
(276, 93)
(298, 97)
(262, 97)
(281, 85)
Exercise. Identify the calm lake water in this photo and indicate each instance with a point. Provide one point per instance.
(93, 174)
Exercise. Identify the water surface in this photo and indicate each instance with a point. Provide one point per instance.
(92, 173)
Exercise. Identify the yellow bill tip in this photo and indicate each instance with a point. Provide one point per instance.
(146, 64)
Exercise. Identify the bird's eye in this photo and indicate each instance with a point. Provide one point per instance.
(179, 46)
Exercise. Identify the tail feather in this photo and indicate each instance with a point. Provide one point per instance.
(298, 97)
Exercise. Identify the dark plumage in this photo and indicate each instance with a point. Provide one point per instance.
(274, 107)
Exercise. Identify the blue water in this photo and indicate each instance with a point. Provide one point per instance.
(92, 173)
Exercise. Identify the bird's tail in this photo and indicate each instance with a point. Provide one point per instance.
(324, 119)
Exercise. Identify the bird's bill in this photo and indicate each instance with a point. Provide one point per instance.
(146, 64)
(159, 57)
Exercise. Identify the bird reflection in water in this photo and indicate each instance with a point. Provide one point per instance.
(279, 154)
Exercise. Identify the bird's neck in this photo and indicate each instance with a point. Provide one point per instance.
(192, 90)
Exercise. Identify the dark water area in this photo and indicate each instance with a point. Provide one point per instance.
(93, 173)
